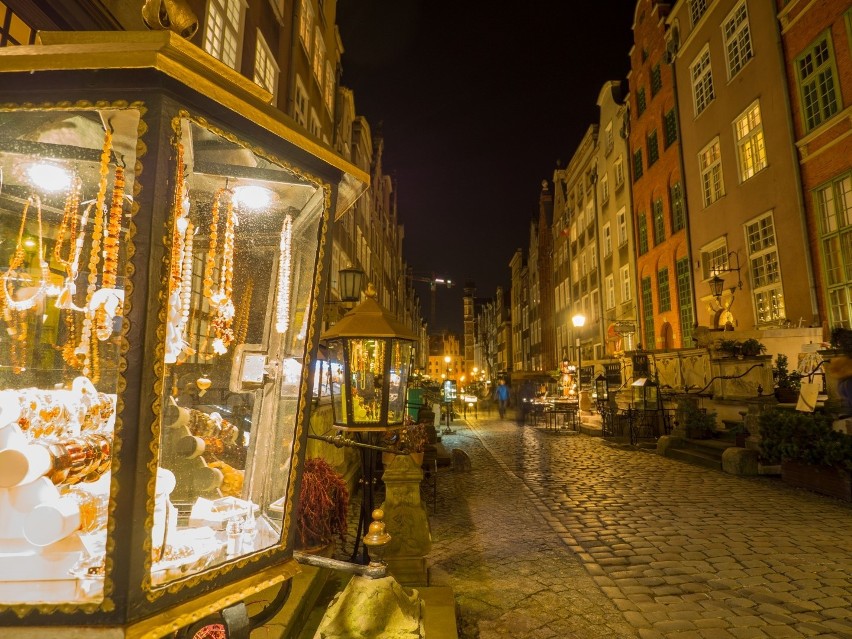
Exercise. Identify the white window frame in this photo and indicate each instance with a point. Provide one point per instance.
(607, 239)
(751, 148)
(701, 76)
(618, 171)
(610, 291)
(306, 25)
(300, 103)
(605, 188)
(266, 71)
(710, 169)
(621, 220)
(329, 87)
(697, 8)
(714, 257)
(624, 280)
(223, 30)
(737, 37)
(609, 138)
(767, 291)
(318, 62)
(316, 123)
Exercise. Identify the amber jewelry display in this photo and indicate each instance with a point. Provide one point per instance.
(17, 262)
(282, 310)
(104, 313)
(180, 276)
(220, 301)
(68, 225)
(87, 348)
(65, 299)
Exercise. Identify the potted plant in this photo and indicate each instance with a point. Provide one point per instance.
(323, 507)
(752, 347)
(812, 454)
(698, 423)
(787, 384)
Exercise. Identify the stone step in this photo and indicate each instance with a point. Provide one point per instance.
(708, 446)
(697, 457)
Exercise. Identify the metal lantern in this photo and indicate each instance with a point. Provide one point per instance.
(351, 281)
(601, 388)
(645, 394)
(373, 353)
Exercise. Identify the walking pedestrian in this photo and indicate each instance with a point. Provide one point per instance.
(502, 396)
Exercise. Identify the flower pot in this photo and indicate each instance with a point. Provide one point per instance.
(825, 480)
(787, 395)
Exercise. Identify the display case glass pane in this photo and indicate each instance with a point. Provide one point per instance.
(400, 365)
(244, 241)
(66, 185)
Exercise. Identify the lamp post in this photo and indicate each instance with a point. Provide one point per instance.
(449, 396)
(579, 320)
(373, 353)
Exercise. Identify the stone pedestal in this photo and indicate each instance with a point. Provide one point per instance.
(407, 521)
(373, 608)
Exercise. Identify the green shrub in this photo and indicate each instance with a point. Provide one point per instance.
(699, 424)
(803, 437)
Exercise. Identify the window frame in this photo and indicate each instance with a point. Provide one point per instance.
(701, 80)
(264, 57)
(757, 261)
(710, 172)
(659, 223)
(215, 38)
(737, 37)
(836, 229)
(664, 294)
(750, 143)
(809, 124)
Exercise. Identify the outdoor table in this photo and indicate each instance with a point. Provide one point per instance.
(565, 409)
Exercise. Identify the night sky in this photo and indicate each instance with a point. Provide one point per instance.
(477, 102)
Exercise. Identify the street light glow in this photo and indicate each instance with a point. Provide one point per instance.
(579, 320)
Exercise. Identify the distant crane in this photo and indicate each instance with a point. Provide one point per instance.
(434, 281)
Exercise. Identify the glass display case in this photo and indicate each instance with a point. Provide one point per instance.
(162, 240)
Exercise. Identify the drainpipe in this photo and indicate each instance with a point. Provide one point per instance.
(797, 176)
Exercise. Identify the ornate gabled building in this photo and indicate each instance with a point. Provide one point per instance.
(615, 222)
(575, 236)
(664, 279)
(542, 350)
(746, 219)
(519, 312)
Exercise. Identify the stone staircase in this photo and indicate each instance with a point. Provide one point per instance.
(702, 452)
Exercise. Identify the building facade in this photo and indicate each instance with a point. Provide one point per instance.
(816, 49)
(746, 221)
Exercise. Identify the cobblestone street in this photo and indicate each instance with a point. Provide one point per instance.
(554, 535)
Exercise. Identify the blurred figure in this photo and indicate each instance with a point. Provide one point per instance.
(501, 394)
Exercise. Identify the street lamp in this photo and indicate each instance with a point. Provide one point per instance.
(579, 320)
(449, 395)
(371, 354)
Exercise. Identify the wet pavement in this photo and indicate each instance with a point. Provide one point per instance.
(556, 535)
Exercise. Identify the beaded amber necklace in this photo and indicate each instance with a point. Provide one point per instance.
(18, 260)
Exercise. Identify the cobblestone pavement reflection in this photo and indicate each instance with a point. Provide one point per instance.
(558, 536)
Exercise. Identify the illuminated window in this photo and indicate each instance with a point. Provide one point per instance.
(684, 298)
(607, 240)
(833, 203)
(265, 67)
(648, 311)
(223, 30)
(714, 258)
(748, 133)
(319, 56)
(13, 30)
(702, 81)
(306, 24)
(765, 270)
(737, 39)
(605, 188)
(710, 165)
(329, 87)
(610, 291)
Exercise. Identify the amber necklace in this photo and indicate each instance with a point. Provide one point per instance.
(18, 259)
(282, 318)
